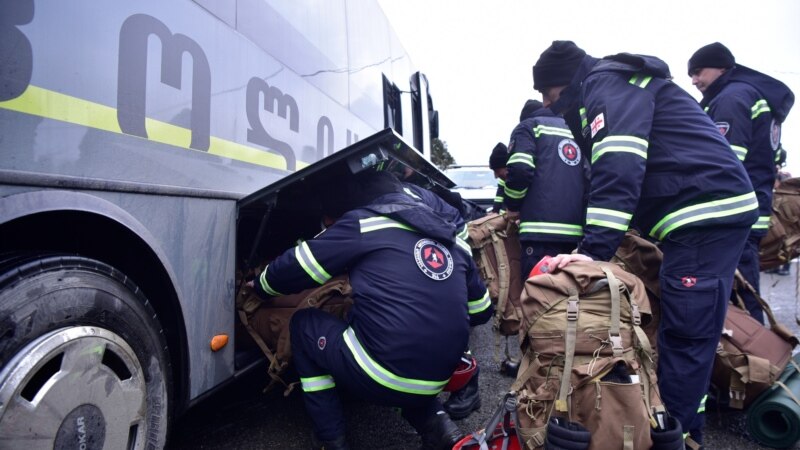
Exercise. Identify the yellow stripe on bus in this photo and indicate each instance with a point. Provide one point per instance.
(65, 108)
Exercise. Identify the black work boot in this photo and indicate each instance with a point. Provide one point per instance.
(439, 433)
(463, 401)
(337, 444)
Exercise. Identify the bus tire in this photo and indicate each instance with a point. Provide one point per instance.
(83, 359)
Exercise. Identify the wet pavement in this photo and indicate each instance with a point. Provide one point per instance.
(243, 417)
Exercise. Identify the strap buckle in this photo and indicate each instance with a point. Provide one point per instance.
(616, 343)
(572, 309)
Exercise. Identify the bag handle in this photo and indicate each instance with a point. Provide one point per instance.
(507, 411)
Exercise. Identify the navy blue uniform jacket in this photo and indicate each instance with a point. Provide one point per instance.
(546, 179)
(748, 108)
(658, 162)
(416, 290)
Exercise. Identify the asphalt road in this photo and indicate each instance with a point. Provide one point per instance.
(243, 417)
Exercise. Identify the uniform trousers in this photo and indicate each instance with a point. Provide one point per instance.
(749, 266)
(696, 280)
(319, 350)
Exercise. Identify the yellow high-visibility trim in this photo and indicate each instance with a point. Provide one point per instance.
(54, 105)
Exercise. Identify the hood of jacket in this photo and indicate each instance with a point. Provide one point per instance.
(629, 62)
(421, 217)
(779, 97)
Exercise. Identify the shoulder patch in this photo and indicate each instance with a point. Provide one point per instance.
(433, 259)
(723, 127)
(598, 123)
(569, 152)
(775, 135)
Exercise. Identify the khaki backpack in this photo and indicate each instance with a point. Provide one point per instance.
(643, 259)
(496, 251)
(782, 242)
(586, 358)
(267, 322)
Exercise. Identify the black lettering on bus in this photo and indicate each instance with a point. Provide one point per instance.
(324, 129)
(132, 76)
(16, 52)
(352, 137)
(275, 102)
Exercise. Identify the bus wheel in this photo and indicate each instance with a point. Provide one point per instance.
(83, 361)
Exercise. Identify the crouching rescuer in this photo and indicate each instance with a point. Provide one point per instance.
(416, 292)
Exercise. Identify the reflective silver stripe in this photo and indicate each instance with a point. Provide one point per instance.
(521, 158)
(762, 223)
(641, 82)
(310, 264)
(265, 286)
(385, 378)
(708, 210)
(551, 228)
(609, 218)
(624, 144)
(320, 383)
(555, 131)
(479, 305)
(411, 193)
(740, 152)
(463, 244)
(759, 107)
(380, 223)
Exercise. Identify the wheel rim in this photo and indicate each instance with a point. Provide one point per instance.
(79, 387)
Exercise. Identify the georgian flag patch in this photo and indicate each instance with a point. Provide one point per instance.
(597, 124)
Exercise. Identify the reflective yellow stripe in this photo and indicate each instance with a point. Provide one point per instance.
(703, 211)
(584, 120)
(609, 218)
(739, 151)
(479, 305)
(384, 377)
(555, 131)
(521, 158)
(641, 82)
(759, 107)
(702, 407)
(65, 108)
(621, 144)
(320, 383)
(515, 194)
(379, 223)
(464, 246)
(551, 228)
(265, 285)
(307, 261)
(762, 223)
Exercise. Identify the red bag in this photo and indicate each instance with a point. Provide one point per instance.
(502, 426)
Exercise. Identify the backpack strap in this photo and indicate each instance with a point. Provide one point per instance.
(613, 332)
(569, 352)
(779, 329)
(503, 275)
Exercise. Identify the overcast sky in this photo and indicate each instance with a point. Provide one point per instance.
(478, 54)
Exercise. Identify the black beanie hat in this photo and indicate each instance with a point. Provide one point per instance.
(712, 55)
(531, 106)
(556, 65)
(499, 156)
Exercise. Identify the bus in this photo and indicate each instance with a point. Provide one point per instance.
(149, 152)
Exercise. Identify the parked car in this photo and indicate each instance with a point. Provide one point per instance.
(474, 183)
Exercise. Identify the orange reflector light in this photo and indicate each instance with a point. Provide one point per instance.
(219, 341)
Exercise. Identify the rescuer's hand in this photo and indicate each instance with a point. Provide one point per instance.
(513, 216)
(563, 260)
